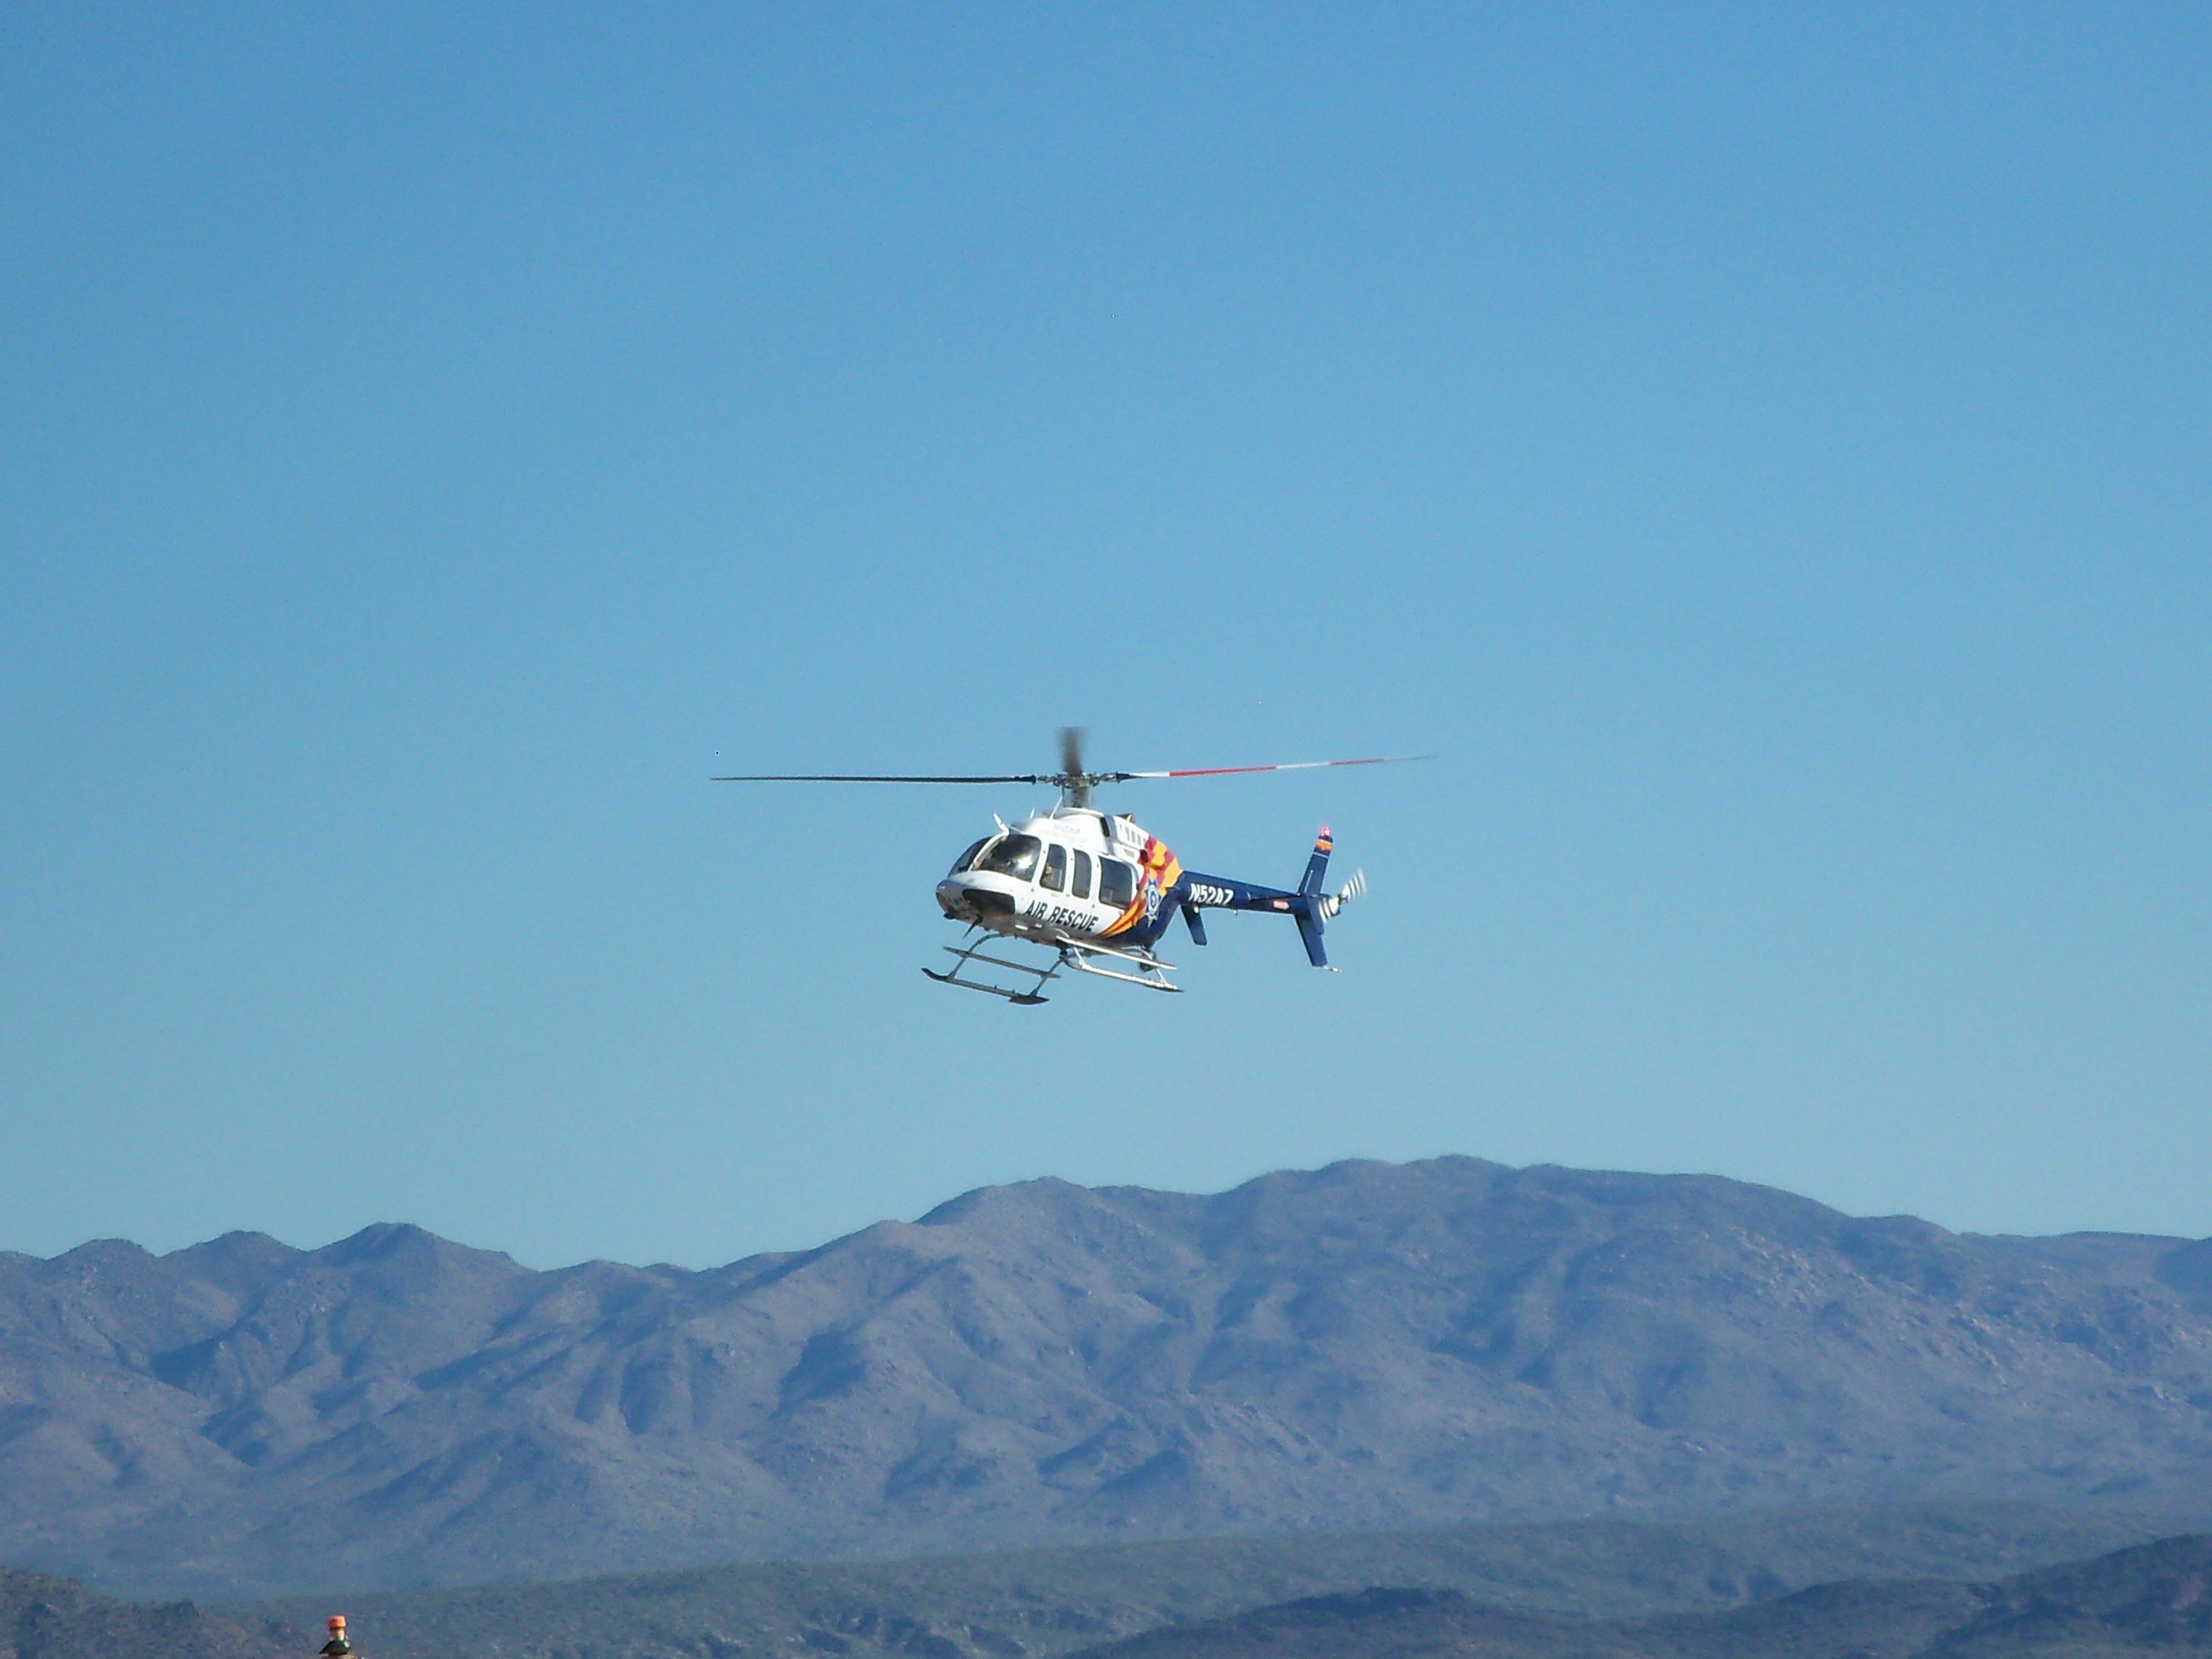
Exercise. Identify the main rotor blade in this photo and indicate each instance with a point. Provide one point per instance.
(1283, 766)
(856, 777)
(1077, 780)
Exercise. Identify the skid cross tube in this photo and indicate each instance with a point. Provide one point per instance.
(1153, 976)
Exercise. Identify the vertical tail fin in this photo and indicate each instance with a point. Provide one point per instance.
(1310, 913)
(1317, 865)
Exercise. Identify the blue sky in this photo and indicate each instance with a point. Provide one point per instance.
(1764, 451)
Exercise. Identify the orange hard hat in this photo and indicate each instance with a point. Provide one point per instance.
(337, 1621)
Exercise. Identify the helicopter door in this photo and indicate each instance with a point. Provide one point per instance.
(1054, 874)
(1080, 887)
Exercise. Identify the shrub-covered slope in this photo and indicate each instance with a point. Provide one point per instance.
(46, 1618)
(1047, 1602)
(2151, 1599)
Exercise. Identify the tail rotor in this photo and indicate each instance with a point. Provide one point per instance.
(1315, 904)
(1330, 903)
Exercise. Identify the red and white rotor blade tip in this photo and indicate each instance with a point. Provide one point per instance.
(1282, 766)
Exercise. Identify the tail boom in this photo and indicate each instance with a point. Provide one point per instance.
(1311, 904)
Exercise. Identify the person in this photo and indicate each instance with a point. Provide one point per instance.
(337, 1647)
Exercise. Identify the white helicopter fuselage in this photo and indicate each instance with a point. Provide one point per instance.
(1071, 873)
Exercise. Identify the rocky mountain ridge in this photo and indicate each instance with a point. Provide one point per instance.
(1366, 1345)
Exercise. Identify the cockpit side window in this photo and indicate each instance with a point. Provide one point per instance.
(1014, 855)
(1081, 886)
(1055, 869)
(967, 858)
(1117, 882)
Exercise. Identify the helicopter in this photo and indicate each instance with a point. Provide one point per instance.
(1091, 889)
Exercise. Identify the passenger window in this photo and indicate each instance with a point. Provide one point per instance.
(1117, 882)
(1055, 869)
(1082, 888)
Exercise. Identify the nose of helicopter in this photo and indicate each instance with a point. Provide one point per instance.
(966, 900)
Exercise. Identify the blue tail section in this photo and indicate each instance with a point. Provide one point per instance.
(1309, 906)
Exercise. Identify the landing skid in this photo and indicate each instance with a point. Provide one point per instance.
(1149, 970)
(965, 959)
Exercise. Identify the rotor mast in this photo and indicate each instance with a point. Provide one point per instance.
(1075, 784)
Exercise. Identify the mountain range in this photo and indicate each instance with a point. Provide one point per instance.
(1363, 1346)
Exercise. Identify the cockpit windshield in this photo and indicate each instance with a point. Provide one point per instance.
(969, 857)
(1015, 856)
